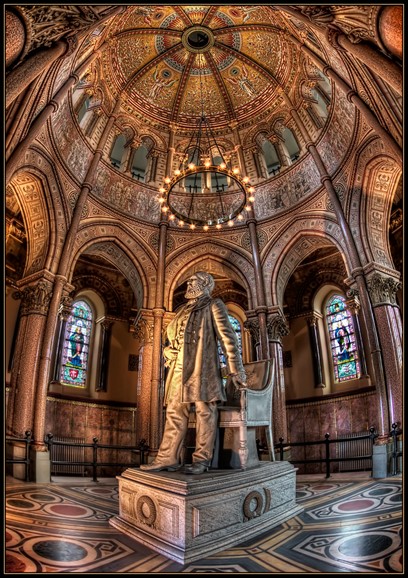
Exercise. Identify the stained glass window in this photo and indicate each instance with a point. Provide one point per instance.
(75, 350)
(342, 340)
(237, 326)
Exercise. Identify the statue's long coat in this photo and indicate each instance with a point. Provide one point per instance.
(201, 378)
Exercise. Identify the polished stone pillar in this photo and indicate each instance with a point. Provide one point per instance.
(35, 295)
(278, 328)
(143, 330)
(15, 37)
(106, 332)
(312, 321)
(64, 313)
(383, 291)
(353, 305)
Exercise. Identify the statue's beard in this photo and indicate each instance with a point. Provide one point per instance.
(193, 293)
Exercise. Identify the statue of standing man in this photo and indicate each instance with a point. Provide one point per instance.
(194, 375)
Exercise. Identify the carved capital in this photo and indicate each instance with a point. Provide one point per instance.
(312, 319)
(35, 299)
(142, 329)
(383, 290)
(277, 327)
(65, 307)
(252, 325)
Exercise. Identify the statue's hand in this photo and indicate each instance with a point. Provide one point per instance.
(170, 354)
(239, 380)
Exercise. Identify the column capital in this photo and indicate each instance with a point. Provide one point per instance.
(383, 289)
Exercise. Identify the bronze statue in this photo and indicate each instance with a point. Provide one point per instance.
(194, 375)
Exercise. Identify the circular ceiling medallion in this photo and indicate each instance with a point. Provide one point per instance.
(198, 39)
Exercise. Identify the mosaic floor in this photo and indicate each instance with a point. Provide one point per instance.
(346, 526)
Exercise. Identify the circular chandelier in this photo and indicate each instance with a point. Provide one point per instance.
(205, 190)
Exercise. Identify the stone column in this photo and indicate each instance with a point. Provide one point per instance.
(64, 313)
(143, 329)
(35, 295)
(106, 332)
(261, 308)
(60, 282)
(353, 304)
(312, 321)
(278, 328)
(39, 122)
(238, 147)
(383, 291)
(252, 326)
(380, 64)
(31, 68)
(15, 37)
(376, 366)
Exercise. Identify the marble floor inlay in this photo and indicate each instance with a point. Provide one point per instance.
(347, 526)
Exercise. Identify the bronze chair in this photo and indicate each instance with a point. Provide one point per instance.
(239, 417)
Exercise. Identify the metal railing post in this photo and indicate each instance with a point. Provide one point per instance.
(94, 458)
(327, 458)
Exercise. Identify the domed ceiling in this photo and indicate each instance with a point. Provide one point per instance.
(169, 62)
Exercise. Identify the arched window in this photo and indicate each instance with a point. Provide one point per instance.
(343, 344)
(75, 350)
(272, 161)
(118, 149)
(139, 163)
(83, 109)
(291, 144)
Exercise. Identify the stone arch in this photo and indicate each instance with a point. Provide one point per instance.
(238, 266)
(124, 251)
(38, 194)
(210, 263)
(296, 242)
(111, 300)
(379, 182)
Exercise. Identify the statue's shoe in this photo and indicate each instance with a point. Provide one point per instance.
(197, 468)
(160, 466)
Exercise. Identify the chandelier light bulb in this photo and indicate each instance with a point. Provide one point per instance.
(165, 209)
(172, 217)
(167, 179)
(177, 172)
(251, 198)
(162, 190)
(192, 226)
(246, 179)
(206, 227)
(218, 226)
(240, 217)
(181, 223)
(191, 166)
(248, 208)
(161, 200)
(251, 189)
(223, 166)
(207, 164)
(230, 223)
(235, 170)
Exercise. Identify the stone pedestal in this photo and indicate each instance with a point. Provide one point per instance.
(187, 517)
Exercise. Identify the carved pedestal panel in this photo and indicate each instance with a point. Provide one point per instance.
(187, 518)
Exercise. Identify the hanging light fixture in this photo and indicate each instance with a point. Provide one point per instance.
(206, 190)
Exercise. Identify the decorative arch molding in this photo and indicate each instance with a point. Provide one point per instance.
(124, 252)
(380, 179)
(306, 295)
(104, 290)
(297, 242)
(36, 192)
(369, 165)
(207, 257)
